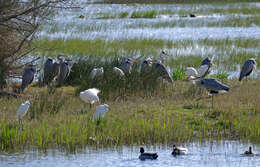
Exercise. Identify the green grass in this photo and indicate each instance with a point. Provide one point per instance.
(171, 115)
(145, 14)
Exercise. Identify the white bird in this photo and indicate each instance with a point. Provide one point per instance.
(90, 95)
(22, 110)
(190, 71)
(101, 111)
(97, 72)
(118, 71)
(179, 150)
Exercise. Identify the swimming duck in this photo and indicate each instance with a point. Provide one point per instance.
(145, 156)
(179, 150)
(249, 152)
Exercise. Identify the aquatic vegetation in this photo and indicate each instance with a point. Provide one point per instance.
(145, 14)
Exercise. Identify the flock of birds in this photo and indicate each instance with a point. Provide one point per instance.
(180, 151)
(60, 70)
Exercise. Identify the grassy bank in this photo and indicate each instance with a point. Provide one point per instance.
(169, 115)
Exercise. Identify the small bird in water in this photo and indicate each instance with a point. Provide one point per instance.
(249, 152)
(145, 156)
(179, 150)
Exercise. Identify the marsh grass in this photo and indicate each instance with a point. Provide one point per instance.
(144, 14)
(165, 117)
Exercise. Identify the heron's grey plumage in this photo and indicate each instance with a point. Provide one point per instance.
(159, 69)
(64, 72)
(146, 66)
(28, 76)
(247, 68)
(127, 65)
(208, 62)
(212, 85)
(48, 69)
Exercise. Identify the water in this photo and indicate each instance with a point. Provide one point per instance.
(213, 154)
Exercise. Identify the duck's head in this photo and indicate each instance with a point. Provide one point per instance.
(141, 150)
(250, 150)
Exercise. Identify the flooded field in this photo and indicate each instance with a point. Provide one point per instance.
(214, 154)
(228, 32)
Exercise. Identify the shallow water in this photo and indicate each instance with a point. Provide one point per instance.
(214, 154)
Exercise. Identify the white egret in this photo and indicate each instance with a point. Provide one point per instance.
(101, 111)
(97, 72)
(22, 110)
(90, 96)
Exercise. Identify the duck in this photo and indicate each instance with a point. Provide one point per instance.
(145, 156)
(249, 152)
(179, 150)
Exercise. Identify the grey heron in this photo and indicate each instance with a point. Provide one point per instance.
(47, 70)
(65, 68)
(213, 86)
(205, 66)
(127, 65)
(162, 56)
(247, 68)
(28, 76)
(158, 69)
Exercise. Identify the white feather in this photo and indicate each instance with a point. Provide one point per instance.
(101, 111)
(182, 150)
(90, 95)
(190, 71)
(22, 110)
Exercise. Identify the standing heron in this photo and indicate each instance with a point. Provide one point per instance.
(47, 70)
(127, 65)
(248, 68)
(65, 68)
(159, 70)
(213, 86)
(205, 66)
(22, 110)
(28, 76)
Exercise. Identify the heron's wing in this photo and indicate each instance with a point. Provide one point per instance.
(160, 69)
(203, 69)
(213, 84)
(246, 69)
(47, 69)
(190, 71)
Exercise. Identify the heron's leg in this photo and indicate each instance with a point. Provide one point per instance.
(212, 102)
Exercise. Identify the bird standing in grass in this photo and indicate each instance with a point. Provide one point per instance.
(145, 156)
(248, 68)
(28, 76)
(101, 111)
(179, 150)
(127, 65)
(213, 86)
(97, 73)
(90, 96)
(22, 110)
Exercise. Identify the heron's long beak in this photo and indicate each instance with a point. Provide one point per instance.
(134, 61)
